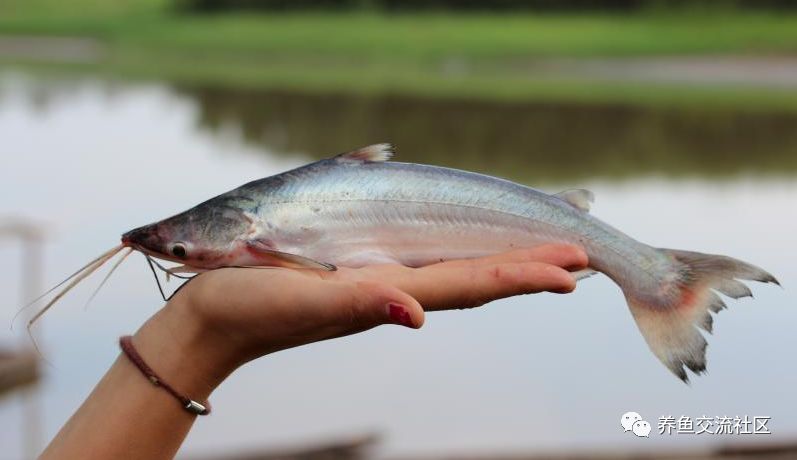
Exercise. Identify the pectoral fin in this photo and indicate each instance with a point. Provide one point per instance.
(274, 258)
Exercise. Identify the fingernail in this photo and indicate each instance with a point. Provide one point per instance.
(399, 314)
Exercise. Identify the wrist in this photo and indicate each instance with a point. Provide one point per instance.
(182, 350)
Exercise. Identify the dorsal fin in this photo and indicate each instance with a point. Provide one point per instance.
(578, 198)
(376, 152)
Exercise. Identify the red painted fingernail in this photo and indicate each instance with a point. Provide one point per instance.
(399, 314)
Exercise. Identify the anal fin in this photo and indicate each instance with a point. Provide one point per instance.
(583, 274)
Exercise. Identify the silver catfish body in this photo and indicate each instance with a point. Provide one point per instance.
(359, 209)
(353, 213)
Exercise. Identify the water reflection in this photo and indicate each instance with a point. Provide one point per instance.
(532, 142)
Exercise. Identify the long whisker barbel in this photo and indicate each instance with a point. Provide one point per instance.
(110, 272)
(76, 273)
(84, 272)
(76, 278)
(79, 276)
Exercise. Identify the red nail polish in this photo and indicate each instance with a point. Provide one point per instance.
(398, 313)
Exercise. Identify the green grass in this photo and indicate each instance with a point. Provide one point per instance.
(415, 36)
(438, 36)
(415, 53)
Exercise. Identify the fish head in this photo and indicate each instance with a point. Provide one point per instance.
(207, 236)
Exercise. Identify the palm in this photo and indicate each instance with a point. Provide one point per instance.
(265, 310)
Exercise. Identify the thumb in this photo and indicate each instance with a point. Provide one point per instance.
(376, 303)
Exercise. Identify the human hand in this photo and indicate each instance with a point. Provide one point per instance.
(227, 317)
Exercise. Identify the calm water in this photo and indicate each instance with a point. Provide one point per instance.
(91, 159)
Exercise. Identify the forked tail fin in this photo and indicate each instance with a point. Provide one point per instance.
(669, 319)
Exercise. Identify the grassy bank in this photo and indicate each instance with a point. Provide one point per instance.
(490, 56)
(153, 25)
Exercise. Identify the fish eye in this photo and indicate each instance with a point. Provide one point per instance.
(178, 250)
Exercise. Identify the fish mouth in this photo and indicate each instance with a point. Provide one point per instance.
(139, 248)
(149, 253)
(146, 240)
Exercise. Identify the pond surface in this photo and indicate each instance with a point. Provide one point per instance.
(529, 142)
(91, 159)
